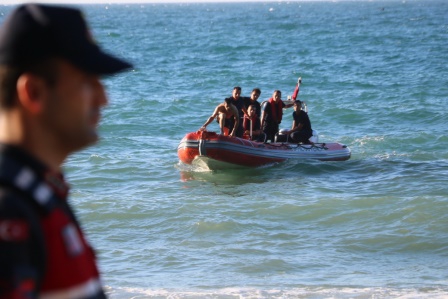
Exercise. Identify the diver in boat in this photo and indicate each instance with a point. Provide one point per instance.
(238, 102)
(272, 114)
(228, 117)
(252, 125)
(301, 130)
(252, 100)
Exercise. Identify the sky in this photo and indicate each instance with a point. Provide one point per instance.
(9, 2)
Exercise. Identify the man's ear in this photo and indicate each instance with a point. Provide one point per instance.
(31, 92)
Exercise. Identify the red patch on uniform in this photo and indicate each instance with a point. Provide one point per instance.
(27, 286)
(13, 230)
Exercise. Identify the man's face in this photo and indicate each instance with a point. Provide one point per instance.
(236, 93)
(250, 111)
(254, 96)
(227, 107)
(72, 109)
(277, 96)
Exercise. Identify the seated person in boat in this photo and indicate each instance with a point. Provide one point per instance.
(238, 102)
(301, 130)
(252, 125)
(228, 117)
(271, 116)
(252, 100)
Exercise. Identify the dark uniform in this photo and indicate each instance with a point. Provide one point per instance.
(248, 102)
(43, 253)
(239, 104)
(301, 117)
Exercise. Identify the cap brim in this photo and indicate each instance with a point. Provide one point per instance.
(100, 63)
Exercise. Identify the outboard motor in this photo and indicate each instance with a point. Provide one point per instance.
(282, 136)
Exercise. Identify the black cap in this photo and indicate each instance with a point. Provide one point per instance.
(34, 32)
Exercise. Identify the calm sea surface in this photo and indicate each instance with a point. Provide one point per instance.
(375, 77)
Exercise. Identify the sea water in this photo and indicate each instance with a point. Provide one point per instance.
(374, 76)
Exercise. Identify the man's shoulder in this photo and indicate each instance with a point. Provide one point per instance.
(266, 104)
(22, 238)
(220, 106)
(302, 114)
(15, 202)
(240, 100)
(19, 217)
(250, 102)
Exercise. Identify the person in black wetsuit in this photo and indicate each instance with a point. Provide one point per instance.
(238, 102)
(253, 100)
(301, 130)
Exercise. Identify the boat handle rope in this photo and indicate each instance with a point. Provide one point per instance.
(321, 146)
(242, 142)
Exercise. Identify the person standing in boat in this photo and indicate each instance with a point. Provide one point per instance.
(228, 117)
(272, 115)
(238, 102)
(253, 100)
(252, 125)
(301, 130)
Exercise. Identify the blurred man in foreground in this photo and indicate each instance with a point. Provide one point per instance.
(50, 101)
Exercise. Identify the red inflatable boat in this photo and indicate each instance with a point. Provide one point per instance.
(215, 151)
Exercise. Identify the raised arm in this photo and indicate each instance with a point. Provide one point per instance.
(288, 104)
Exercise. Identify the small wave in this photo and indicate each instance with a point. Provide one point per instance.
(293, 293)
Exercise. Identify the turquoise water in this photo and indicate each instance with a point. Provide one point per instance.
(375, 77)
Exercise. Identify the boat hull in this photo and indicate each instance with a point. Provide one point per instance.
(243, 152)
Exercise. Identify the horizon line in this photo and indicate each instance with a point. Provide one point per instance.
(73, 2)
